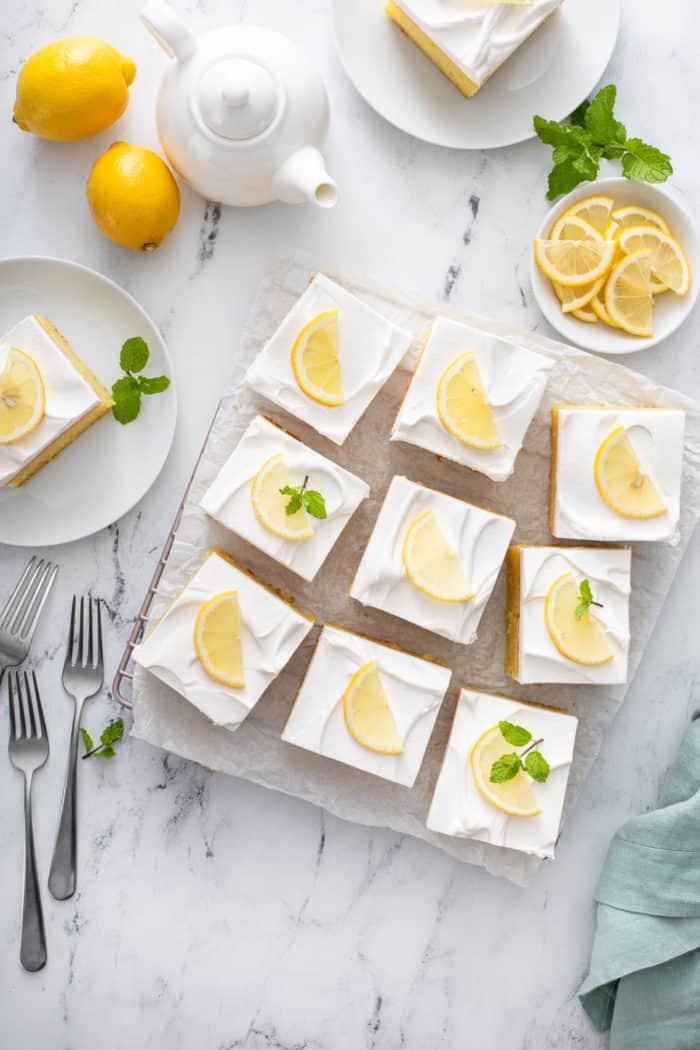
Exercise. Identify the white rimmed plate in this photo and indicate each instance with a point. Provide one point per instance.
(670, 311)
(110, 467)
(550, 74)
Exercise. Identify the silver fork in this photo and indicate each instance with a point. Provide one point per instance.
(22, 610)
(29, 749)
(83, 675)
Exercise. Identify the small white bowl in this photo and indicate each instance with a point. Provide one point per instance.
(670, 311)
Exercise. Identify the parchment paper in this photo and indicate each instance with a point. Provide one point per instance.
(256, 752)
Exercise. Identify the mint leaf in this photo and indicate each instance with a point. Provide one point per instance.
(578, 117)
(552, 133)
(645, 163)
(134, 355)
(601, 123)
(518, 736)
(87, 739)
(295, 502)
(562, 179)
(505, 768)
(105, 752)
(537, 766)
(581, 610)
(113, 733)
(127, 399)
(153, 384)
(315, 504)
(585, 591)
(588, 161)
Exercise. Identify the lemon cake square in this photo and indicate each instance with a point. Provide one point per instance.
(432, 560)
(468, 40)
(616, 473)
(472, 398)
(567, 616)
(328, 359)
(223, 640)
(368, 705)
(47, 398)
(504, 774)
(248, 497)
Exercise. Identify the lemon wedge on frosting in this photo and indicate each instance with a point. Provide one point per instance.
(514, 797)
(316, 360)
(621, 482)
(430, 563)
(270, 504)
(367, 713)
(462, 405)
(22, 396)
(217, 639)
(582, 640)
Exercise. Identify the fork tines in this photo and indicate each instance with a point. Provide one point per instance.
(26, 712)
(85, 633)
(23, 607)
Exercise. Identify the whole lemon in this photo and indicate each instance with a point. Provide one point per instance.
(133, 197)
(72, 88)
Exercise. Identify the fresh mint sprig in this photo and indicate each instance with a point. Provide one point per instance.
(585, 600)
(127, 391)
(531, 760)
(300, 496)
(593, 133)
(109, 736)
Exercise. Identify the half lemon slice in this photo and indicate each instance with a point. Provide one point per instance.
(668, 262)
(582, 641)
(622, 483)
(316, 360)
(430, 563)
(574, 263)
(594, 210)
(270, 505)
(628, 294)
(462, 405)
(633, 215)
(22, 396)
(367, 712)
(217, 639)
(514, 797)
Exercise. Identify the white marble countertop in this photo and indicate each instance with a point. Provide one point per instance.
(212, 913)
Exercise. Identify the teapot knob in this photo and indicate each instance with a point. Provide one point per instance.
(235, 95)
(238, 98)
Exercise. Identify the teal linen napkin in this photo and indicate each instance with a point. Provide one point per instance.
(644, 980)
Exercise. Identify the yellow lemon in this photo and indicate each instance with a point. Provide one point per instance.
(430, 563)
(628, 296)
(316, 360)
(22, 396)
(217, 639)
(133, 197)
(72, 88)
(462, 405)
(514, 797)
(367, 712)
(582, 640)
(270, 505)
(621, 482)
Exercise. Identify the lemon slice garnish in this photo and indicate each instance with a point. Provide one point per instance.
(633, 215)
(316, 360)
(582, 641)
(367, 712)
(628, 297)
(270, 504)
(514, 797)
(430, 563)
(462, 405)
(22, 396)
(574, 263)
(594, 210)
(668, 262)
(622, 483)
(217, 639)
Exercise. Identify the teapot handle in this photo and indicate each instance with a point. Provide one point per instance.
(176, 39)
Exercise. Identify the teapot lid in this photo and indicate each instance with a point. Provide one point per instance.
(238, 98)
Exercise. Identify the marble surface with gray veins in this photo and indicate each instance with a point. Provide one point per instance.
(214, 914)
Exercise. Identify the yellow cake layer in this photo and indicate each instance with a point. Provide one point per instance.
(513, 612)
(430, 48)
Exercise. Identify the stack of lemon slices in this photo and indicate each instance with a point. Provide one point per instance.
(608, 264)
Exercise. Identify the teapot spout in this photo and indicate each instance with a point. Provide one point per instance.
(176, 39)
(303, 177)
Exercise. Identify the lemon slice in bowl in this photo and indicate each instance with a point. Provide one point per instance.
(515, 796)
(597, 305)
(621, 482)
(430, 563)
(270, 504)
(367, 713)
(668, 262)
(574, 263)
(570, 227)
(22, 396)
(316, 360)
(585, 314)
(594, 210)
(462, 405)
(217, 639)
(582, 640)
(628, 297)
(573, 299)
(634, 215)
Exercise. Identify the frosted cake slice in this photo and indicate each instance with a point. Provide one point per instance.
(368, 705)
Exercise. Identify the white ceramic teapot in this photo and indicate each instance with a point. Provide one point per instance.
(241, 113)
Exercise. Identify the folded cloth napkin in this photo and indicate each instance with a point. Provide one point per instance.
(644, 981)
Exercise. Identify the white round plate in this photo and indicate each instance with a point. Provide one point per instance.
(670, 311)
(550, 74)
(110, 467)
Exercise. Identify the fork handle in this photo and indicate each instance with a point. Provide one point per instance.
(32, 952)
(62, 874)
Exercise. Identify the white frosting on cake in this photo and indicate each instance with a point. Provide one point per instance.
(608, 571)
(68, 396)
(477, 35)
(228, 498)
(459, 808)
(370, 349)
(414, 688)
(271, 631)
(478, 537)
(657, 436)
(514, 381)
